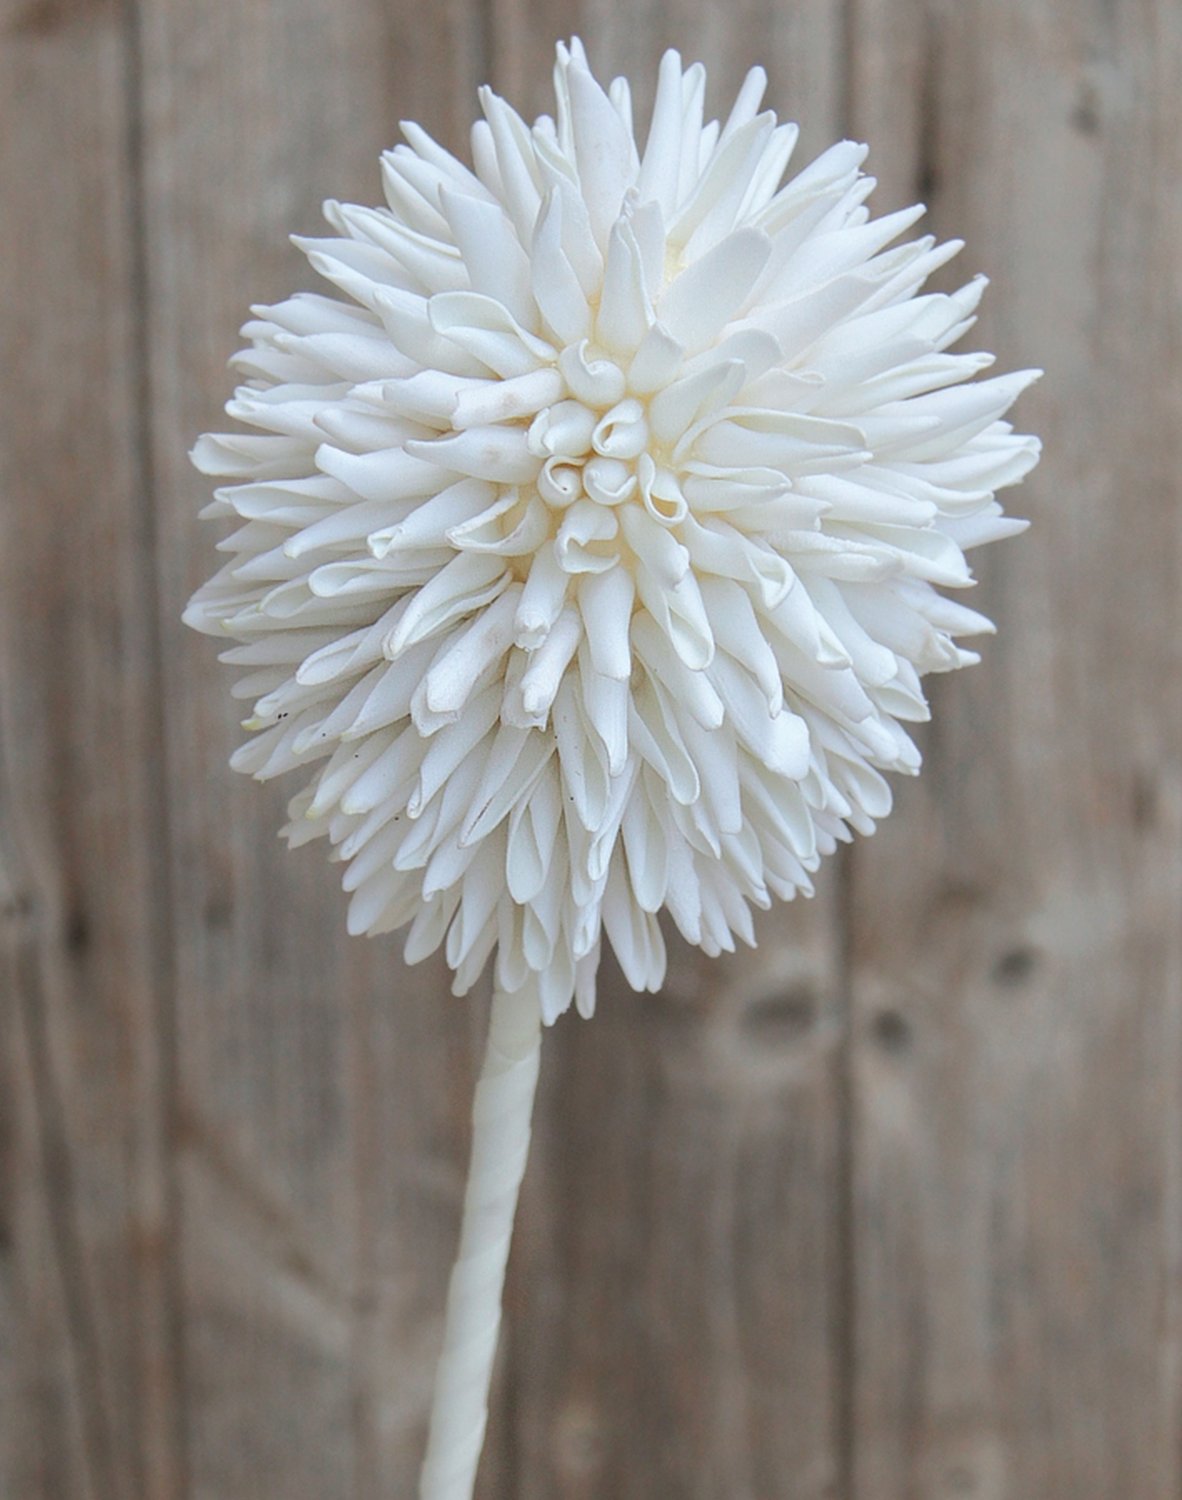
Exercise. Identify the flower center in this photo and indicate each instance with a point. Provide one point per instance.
(587, 452)
(600, 460)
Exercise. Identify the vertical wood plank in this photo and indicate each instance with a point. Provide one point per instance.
(325, 1090)
(1017, 994)
(91, 1366)
(677, 1322)
(674, 1325)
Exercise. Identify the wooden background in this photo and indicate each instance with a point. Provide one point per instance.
(891, 1210)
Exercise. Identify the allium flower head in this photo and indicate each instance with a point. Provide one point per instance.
(590, 544)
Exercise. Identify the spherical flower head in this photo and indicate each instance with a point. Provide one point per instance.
(590, 549)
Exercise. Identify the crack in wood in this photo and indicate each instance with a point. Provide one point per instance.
(168, 1434)
(928, 163)
(56, 1180)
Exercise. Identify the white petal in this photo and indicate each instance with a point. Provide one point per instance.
(488, 332)
(604, 152)
(583, 777)
(585, 528)
(681, 615)
(706, 296)
(519, 188)
(679, 405)
(556, 288)
(549, 661)
(647, 851)
(533, 829)
(495, 453)
(392, 474)
(649, 734)
(662, 153)
(605, 603)
(592, 379)
(605, 705)
(469, 582)
(451, 746)
(449, 683)
(506, 400)
(656, 361)
(737, 630)
(388, 780)
(427, 525)
(514, 764)
(625, 311)
(634, 934)
(497, 265)
(747, 102)
(712, 210)
(541, 600)
(405, 317)
(688, 686)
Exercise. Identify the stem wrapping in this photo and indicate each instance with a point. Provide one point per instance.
(500, 1145)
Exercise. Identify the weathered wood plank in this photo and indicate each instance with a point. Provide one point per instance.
(678, 1321)
(674, 1325)
(91, 1377)
(1017, 992)
(325, 1090)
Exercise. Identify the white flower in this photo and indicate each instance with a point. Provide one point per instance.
(589, 550)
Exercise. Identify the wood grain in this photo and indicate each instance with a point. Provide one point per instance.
(324, 1090)
(1017, 995)
(87, 1263)
(891, 1207)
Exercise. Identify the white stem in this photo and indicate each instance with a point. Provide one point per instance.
(500, 1144)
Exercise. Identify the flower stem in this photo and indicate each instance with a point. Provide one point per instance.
(500, 1144)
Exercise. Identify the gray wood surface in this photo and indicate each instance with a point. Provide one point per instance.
(890, 1209)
